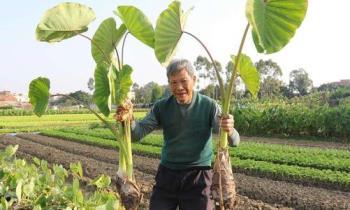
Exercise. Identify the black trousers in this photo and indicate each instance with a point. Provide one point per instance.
(187, 189)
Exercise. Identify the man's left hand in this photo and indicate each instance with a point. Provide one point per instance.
(227, 123)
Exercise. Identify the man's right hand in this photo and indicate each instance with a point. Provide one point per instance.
(124, 111)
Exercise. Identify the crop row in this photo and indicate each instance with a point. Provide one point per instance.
(10, 124)
(151, 139)
(24, 112)
(337, 160)
(294, 120)
(92, 140)
(61, 117)
(281, 171)
(27, 124)
(320, 161)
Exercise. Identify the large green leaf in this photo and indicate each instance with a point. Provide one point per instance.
(274, 22)
(19, 190)
(111, 86)
(137, 23)
(102, 181)
(39, 95)
(248, 73)
(76, 169)
(11, 150)
(106, 38)
(123, 84)
(112, 79)
(102, 92)
(64, 21)
(78, 197)
(111, 204)
(169, 28)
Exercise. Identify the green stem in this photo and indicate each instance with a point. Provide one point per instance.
(110, 126)
(118, 60)
(221, 83)
(123, 46)
(122, 148)
(122, 162)
(98, 47)
(226, 103)
(128, 154)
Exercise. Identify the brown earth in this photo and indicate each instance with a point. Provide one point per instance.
(254, 192)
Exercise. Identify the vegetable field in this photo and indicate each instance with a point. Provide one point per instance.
(75, 160)
(12, 124)
(269, 173)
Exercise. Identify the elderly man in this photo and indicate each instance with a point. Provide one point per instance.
(188, 119)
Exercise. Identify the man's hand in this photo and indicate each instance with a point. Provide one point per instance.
(124, 111)
(227, 123)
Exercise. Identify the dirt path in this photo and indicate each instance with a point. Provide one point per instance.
(98, 160)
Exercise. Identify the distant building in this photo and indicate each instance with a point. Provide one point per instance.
(7, 96)
(55, 97)
(21, 98)
(343, 82)
(7, 99)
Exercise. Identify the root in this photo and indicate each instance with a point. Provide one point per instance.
(222, 174)
(129, 192)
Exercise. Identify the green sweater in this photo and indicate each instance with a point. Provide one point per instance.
(187, 130)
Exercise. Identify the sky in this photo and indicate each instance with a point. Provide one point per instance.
(320, 45)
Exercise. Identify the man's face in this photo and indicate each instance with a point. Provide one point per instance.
(181, 85)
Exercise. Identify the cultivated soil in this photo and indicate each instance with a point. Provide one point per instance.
(253, 192)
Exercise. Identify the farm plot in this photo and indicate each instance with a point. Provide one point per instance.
(97, 160)
(12, 124)
(310, 166)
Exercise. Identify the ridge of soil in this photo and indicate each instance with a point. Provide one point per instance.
(149, 169)
(95, 160)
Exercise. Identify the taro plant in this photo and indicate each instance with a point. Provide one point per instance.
(36, 185)
(112, 76)
(273, 23)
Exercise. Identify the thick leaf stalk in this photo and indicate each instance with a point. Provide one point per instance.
(128, 155)
(223, 186)
(226, 99)
(127, 187)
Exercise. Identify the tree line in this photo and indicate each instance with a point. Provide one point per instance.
(271, 84)
(298, 88)
(300, 85)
